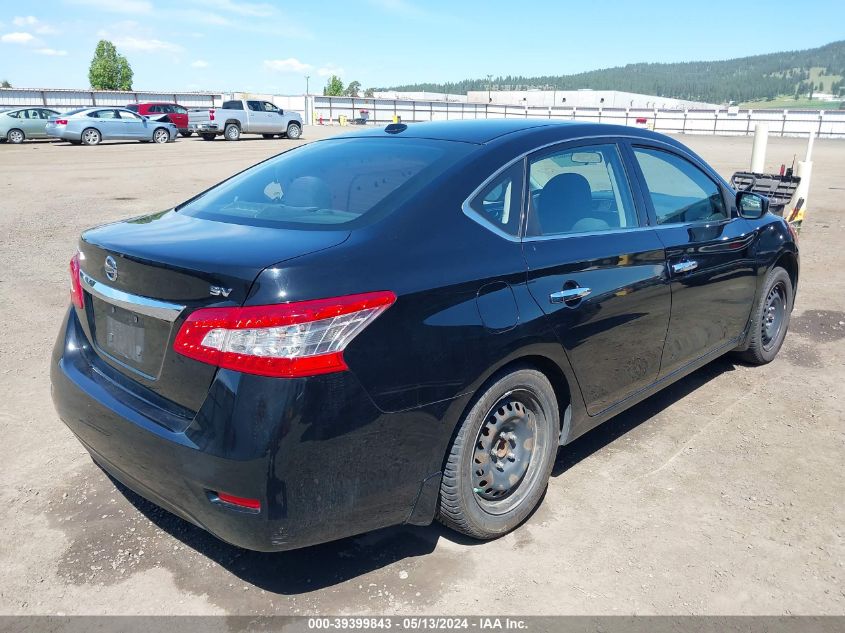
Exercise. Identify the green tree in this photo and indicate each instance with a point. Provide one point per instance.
(5, 84)
(370, 93)
(109, 69)
(334, 87)
(353, 89)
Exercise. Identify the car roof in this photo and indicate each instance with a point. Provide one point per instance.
(483, 131)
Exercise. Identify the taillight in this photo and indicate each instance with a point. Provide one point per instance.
(211, 115)
(297, 339)
(61, 121)
(76, 297)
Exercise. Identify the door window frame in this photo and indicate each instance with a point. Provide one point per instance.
(629, 145)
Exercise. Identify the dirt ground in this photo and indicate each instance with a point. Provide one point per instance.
(721, 495)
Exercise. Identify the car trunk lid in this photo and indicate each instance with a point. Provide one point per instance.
(142, 277)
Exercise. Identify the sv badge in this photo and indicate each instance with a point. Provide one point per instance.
(219, 291)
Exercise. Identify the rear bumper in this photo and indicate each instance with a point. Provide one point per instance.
(205, 128)
(62, 133)
(324, 462)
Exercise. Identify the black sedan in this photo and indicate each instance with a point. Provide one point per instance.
(406, 323)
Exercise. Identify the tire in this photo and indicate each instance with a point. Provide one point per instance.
(91, 136)
(186, 133)
(294, 131)
(208, 137)
(15, 136)
(500, 461)
(232, 132)
(770, 319)
(161, 135)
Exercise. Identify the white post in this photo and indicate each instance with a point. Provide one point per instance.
(804, 170)
(758, 151)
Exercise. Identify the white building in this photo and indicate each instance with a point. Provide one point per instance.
(584, 99)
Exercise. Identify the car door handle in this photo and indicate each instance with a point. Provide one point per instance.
(684, 267)
(569, 294)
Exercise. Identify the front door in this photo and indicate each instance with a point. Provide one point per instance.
(596, 270)
(135, 127)
(708, 252)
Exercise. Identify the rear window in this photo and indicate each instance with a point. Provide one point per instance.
(349, 182)
(133, 107)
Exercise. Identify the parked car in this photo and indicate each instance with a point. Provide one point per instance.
(91, 126)
(173, 112)
(244, 116)
(17, 125)
(404, 324)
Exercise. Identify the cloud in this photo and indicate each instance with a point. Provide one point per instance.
(330, 69)
(34, 24)
(289, 65)
(117, 6)
(200, 63)
(18, 37)
(51, 52)
(130, 43)
(399, 7)
(250, 9)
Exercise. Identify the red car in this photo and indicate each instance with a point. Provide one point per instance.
(176, 114)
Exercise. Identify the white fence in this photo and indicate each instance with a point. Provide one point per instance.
(68, 99)
(825, 123)
(728, 122)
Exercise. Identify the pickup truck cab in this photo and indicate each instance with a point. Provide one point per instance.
(244, 116)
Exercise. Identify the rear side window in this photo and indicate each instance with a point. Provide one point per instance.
(255, 106)
(328, 184)
(579, 190)
(679, 191)
(499, 203)
(233, 105)
(14, 115)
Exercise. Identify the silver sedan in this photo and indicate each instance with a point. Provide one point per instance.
(20, 124)
(92, 126)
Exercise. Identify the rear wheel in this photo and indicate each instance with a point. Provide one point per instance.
(770, 319)
(161, 135)
(16, 136)
(294, 131)
(232, 132)
(501, 458)
(90, 136)
(208, 137)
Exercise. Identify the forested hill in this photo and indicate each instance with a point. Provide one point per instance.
(743, 79)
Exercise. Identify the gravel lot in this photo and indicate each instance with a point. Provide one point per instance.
(721, 495)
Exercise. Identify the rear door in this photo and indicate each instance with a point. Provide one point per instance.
(109, 124)
(708, 252)
(596, 269)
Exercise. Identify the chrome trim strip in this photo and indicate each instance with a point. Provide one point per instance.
(136, 303)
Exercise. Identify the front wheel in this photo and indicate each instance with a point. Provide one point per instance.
(501, 458)
(15, 136)
(770, 318)
(294, 131)
(232, 132)
(161, 135)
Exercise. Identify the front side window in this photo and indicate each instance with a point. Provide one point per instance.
(680, 192)
(130, 116)
(179, 110)
(46, 114)
(334, 184)
(579, 190)
(269, 107)
(499, 203)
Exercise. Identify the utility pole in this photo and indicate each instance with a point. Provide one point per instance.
(307, 91)
(489, 87)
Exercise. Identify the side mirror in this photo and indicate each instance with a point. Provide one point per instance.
(751, 205)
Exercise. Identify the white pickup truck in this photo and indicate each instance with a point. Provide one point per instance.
(244, 116)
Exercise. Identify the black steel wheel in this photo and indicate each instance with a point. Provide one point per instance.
(770, 319)
(502, 455)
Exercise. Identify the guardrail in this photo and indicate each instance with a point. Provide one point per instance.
(728, 122)
(68, 99)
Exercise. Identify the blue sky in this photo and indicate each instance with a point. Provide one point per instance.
(260, 46)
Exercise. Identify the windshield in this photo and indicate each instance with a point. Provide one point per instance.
(347, 182)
